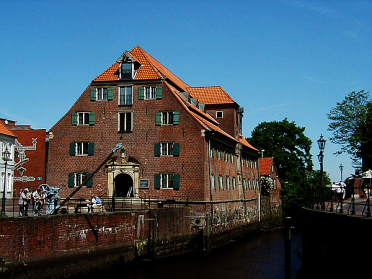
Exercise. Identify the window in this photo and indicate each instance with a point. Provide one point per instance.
(83, 118)
(167, 181)
(244, 184)
(81, 148)
(219, 114)
(220, 182)
(150, 92)
(126, 70)
(77, 179)
(125, 122)
(167, 118)
(101, 93)
(125, 95)
(213, 182)
(234, 183)
(228, 183)
(167, 149)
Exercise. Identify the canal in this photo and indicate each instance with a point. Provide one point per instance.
(258, 256)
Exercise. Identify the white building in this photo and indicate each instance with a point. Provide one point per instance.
(7, 142)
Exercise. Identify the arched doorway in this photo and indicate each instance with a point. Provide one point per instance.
(123, 186)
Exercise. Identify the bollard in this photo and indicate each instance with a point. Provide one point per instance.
(287, 248)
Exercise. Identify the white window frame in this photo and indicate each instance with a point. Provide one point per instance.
(167, 118)
(166, 148)
(81, 148)
(125, 122)
(150, 92)
(85, 118)
(166, 180)
(219, 114)
(79, 178)
(124, 97)
(101, 93)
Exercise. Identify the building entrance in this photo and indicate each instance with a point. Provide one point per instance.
(123, 186)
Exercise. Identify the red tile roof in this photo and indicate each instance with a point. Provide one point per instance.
(265, 165)
(5, 131)
(150, 69)
(210, 95)
(243, 141)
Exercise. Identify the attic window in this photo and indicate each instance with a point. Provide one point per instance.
(219, 114)
(126, 70)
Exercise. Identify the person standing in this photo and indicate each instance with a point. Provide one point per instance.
(26, 198)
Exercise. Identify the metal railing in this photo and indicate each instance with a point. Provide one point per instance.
(349, 200)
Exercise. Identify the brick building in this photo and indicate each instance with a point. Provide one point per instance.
(7, 144)
(268, 170)
(30, 156)
(181, 142)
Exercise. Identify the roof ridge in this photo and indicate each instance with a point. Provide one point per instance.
(152, 60)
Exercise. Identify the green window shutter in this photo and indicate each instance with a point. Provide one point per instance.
(157, 150)
(176, 181)
(74, 118)
(176, 149)
(93, 94)
(158, 118)
(110, 93)
(90, 181)
(141, 93)
(159, 92)
(176, 117)
(157, 181)
(92, 118)
(90, 148)
(72, 149)
(71, 179)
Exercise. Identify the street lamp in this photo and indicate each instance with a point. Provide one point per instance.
(341, 169)
(6, 158)
(321, 144)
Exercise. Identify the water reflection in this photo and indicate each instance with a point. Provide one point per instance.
(257, 256)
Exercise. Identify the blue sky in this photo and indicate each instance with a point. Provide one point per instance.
(279, 59)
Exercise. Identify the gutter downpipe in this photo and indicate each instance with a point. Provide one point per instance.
(210, 176)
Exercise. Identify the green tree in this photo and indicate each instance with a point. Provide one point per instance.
(288, 144)
(351, 127)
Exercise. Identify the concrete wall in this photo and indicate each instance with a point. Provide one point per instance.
(335, 245)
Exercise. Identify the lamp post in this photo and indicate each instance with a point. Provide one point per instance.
(321, 145)
(341, 169)
(6, 158)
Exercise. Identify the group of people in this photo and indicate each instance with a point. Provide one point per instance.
(36, 199)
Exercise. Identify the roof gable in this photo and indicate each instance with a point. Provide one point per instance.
(265, 165)
(149, 68)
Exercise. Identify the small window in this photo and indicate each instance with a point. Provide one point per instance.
(77, 179)
(234, 183)
(82, 148)
(101, 93)
(126, 71)
(167, 181)
(220, 181)
(125, 95)
(125, 122)
(167, 118)
(219, 114)
(228, 183)
(83, 118)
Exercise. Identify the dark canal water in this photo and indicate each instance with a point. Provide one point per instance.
(257, 256)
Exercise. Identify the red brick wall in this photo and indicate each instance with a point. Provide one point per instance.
(140, 144)
(35, 239)
(35, 167)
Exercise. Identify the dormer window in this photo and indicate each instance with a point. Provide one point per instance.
(126, 70)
